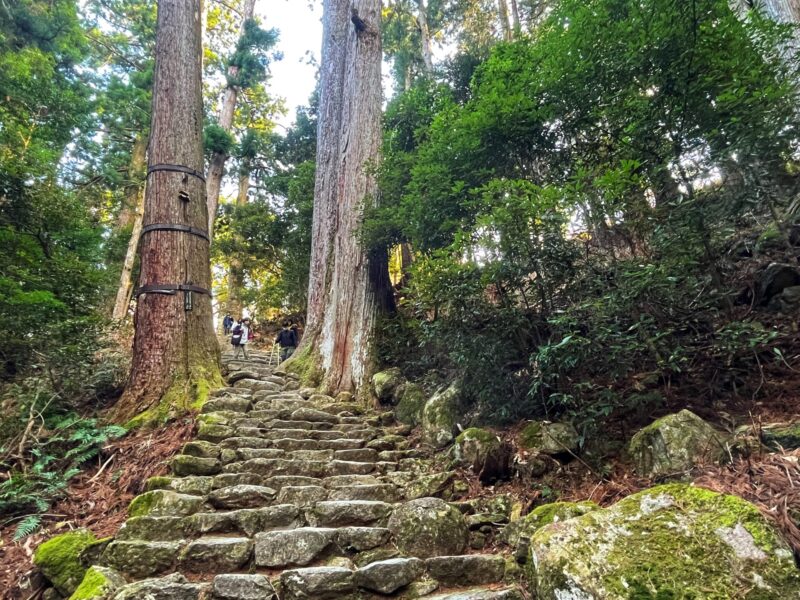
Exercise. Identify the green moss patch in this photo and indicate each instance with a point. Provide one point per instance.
(60, 562)
(97, 583)
(674, 541)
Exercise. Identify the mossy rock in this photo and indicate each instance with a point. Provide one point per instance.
(544, 515)
(781, 435)
(59, 559)
(488, 456)
(98, 583)
(412, 403)
(440, 416)
(428, 527)
(388, 385)
(672, 445)
(164, 503)
(549, 438)
(674, 541)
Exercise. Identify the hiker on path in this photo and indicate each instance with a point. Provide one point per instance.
(227, 324)
(240, 337)
(287, 339)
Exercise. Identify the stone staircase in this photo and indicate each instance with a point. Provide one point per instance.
(287, 494)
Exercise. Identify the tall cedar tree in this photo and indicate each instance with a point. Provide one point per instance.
(347, 287)
(175, 353)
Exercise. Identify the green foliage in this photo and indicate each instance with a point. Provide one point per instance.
(216, 140)
(53, 454)
(570, 210)
(269, 238)
(251, 58)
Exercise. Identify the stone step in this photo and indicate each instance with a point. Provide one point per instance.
(292, 443)
(300, 434)
(345, 513)
(306, 545)
(269, 467)
(381, 492)
(479, 593)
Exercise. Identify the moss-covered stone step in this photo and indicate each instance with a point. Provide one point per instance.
(299, 434)
(310, 468)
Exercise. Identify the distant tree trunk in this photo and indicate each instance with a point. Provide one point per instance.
(131, 215)
(515, 17)
(347, 286)
(136, 176)
(425, 36)
(175, 353)
(125, 289)
(216, 168)
(505, 24)
(235, 274)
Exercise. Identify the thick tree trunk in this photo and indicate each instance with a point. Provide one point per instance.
(425, 36)
(346, 286)
(216, 168)
(175, 353)
(131, 215)
(235, 274)
(505, 24)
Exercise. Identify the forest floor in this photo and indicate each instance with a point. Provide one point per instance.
(96, 499)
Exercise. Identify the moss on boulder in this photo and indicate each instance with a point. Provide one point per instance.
(97, 584)
(485, 453)
(164, 503)
(428, 527)
(412, 403)
(544, 515)
(549, 438)
(388, 385)
(59, 559)
(674, 444)
(440, 416)
(781, 435)
(672, 541)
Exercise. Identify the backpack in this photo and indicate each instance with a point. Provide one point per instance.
(237, 335)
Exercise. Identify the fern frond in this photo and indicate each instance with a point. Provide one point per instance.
(27, 526)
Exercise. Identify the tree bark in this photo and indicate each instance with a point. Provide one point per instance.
(131, 214)
(216, 168)
(515, 17)
(425, 36)
(347, 286)
(505, 24)
(175, 353)
(125, 289)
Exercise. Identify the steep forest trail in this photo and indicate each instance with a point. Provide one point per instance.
(286, 494)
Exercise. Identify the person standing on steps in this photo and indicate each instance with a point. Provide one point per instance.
(227, 324)
(240, 338)
(287, 339)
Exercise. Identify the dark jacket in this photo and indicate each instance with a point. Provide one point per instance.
(286, 338)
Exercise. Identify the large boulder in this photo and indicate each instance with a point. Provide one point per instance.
(440, 416)
(485, 453)
(672, 541)
(388, 385)
(428, 527)
(775, 279)
(59, 559)
(411, 404)
(544, 437)
(542, 516)
(672, 445)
